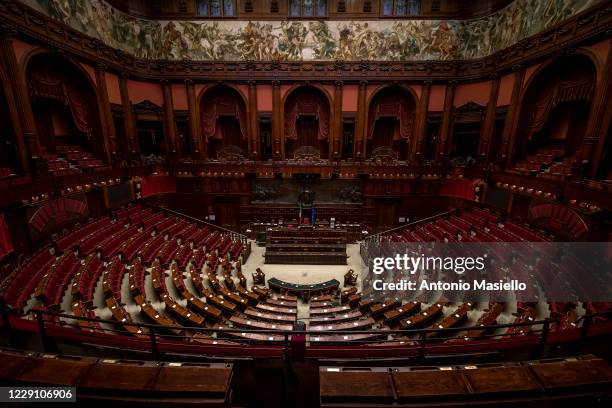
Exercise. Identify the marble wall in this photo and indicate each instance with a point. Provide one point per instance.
(379, 40)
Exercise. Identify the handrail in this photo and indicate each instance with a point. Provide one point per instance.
(180, 214)
(411, 224)
(416, 338)
(404, 332)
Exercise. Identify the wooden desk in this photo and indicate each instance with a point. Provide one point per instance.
(222, 304)
(354, 387)
(378, 309)
(556, 375)
(452, 320)
(270, 317)
(343, 338)
(350, 315)
(488, 318)
(344, 296)
(330, 311)
(363, 324)
(232, 297)
(252, 337)
(423, 383)
(292, 304)
(261, 292)
(392, 317)
(322, 298)
(495, 380)
(316, 305)
(250, 297)
(276, 309)
(425, 316)
(252, 324)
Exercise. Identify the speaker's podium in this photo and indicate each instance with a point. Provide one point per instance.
(306, 244)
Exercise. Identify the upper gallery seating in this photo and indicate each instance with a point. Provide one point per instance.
(549, 163)
(70, 159)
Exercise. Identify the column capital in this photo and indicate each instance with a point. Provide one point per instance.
(363, 83)
(101, 67)
(339, 84)
(427, 82)
(251, 83)
(276, 84)
(188, 82)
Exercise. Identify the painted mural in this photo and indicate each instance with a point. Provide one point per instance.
(392, 40)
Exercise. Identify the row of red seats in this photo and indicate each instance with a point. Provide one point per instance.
(112, 245)
(18, 290)
(99, 238)
(57, 211)
(113, 277)
(71, 239)
(167, 251)
(137, 278)
(86, 279)
(51, 290)
(183, 255)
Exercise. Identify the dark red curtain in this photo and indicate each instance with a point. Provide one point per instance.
(392, 105)
(6, 245)
(552, 95)
(50, 83)
(222, 105)
(306, 103)
(156, 185)
(461, 188)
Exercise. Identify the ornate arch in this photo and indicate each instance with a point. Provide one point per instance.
(234, 103)
(406, 111)
(319, 104)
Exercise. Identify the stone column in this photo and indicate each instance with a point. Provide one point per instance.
(421, 123)
(129, 121)
(106, 120)
(446, 137)
(277, 126)
(360, 142)
(169, 124)
(599, 120)
(488, 126)
(28, 136)
(336, 127)
(195, 125)
(254, 142)
(513, 116)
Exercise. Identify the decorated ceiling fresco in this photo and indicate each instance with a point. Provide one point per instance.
(393, 40)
